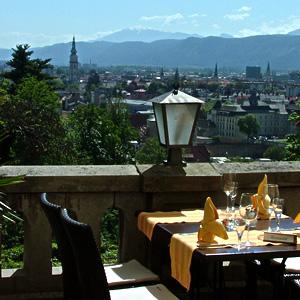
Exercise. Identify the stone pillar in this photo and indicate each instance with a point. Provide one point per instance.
(37, 242)
(132, 242)
(89, 208)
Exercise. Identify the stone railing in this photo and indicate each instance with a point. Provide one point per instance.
(90, 190)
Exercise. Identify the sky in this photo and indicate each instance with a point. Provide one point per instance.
(46, 22)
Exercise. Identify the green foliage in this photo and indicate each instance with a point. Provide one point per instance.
(11, 244)
(12, 257)
(110, 236)
(275, 153)
(32, 119)
(157, 88)
(151, 152)
(101, 136)
(22, 66)
(248, 125)
(292, 147)
(208, 106)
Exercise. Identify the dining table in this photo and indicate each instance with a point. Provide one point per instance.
(207, 260)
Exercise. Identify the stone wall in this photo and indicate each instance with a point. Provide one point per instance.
(90, 190)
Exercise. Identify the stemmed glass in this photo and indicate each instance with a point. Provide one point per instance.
(248, 212)
(239, 226)
(273, 193)
(230, 189)
(278, 204)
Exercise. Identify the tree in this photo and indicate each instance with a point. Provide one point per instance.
(292, 146)
(22, 66)
(99, 138)
(248, 125)
(275, 153)
(32, 119)
(151, 152)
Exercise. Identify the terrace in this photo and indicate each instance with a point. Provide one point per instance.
(90, 190)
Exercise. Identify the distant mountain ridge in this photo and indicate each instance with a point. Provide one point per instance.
(283, 52)
(144, 35)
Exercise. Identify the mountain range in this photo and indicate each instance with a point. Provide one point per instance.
(144, 35)
(282, 51)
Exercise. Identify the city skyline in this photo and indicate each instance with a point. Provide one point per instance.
(41, 23)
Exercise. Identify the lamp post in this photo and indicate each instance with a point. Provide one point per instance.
(176, 114)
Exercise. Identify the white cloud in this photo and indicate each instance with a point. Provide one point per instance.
(237, 17)
(240, 14)
(197, 15)
(11, 39)
(245, 9)
(273, 27)
(167, 19)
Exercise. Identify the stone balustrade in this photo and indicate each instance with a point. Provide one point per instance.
(90, 190)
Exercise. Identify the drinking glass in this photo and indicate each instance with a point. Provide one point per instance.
(248, 212)
(278, 208)
(239, 225)
(230, 189)
(273, 192)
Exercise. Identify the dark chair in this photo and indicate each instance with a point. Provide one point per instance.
(65, 252)
(128, 273)
(91, 274)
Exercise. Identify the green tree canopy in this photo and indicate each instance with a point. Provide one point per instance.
(23, 66)
(99, 136)
(275, 153)
(151, 152)
(32, 119)
(248, 125)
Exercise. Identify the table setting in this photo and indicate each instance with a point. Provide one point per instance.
(219, 234)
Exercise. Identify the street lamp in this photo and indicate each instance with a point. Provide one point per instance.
(176, 114)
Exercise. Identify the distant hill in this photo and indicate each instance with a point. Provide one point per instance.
(283, 52)
(144, 35)
(226, 36)
(295, 32)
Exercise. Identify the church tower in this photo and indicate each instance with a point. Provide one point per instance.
(268, 74)
(74, 76)
(216, 75)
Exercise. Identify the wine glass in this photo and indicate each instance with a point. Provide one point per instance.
(248, 212)
(278, 204)
(239, 226)
(230, 189)
(273, 192)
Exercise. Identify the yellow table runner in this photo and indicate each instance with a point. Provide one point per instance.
(183, 245)
(147, 220)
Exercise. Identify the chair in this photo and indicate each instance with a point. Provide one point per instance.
(291, 275)
(91, 274)
(129, 273)
(69, 276)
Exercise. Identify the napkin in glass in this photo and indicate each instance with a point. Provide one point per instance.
(262, 199)
(210, 225)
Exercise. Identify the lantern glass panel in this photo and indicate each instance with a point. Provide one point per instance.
(160, 123)
(180, 121)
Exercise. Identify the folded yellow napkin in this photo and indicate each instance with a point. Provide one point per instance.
(297, 219)
(210, 225)
(262, 199)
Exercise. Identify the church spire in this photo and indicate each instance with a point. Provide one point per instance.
(268, 72)
(73, 50)
(216, 76)
(73, 68)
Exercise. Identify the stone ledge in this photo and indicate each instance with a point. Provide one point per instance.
(110, 178)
